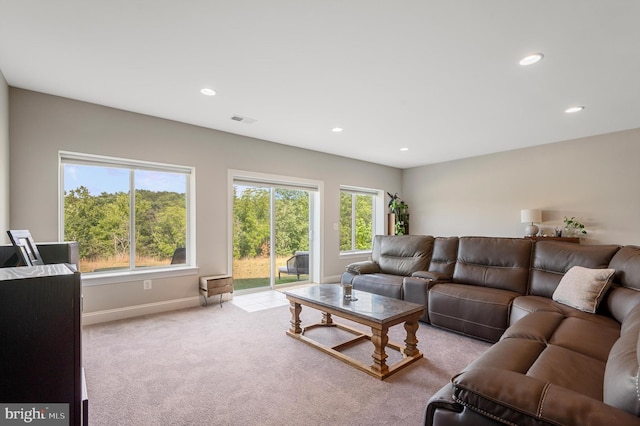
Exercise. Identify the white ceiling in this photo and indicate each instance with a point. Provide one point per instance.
(438, 77)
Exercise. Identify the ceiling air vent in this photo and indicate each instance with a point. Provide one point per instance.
(245, 120)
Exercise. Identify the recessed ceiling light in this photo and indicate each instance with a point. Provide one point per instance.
(337, 129)
(574, 109)
(531, 59)
(404, 149)
(208, 92)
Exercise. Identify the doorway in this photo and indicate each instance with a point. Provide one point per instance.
(272, 227)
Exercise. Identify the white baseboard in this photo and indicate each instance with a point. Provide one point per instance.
(138, 310)
(331, 279)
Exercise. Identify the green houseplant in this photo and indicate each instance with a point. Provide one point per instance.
(400, 212)
(394, 203)
(573, 228)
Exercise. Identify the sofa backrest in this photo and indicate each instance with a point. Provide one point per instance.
(551, 259)
(402, 254)
(625, 291)
(445, 254)
(494, 262)
(626, 262)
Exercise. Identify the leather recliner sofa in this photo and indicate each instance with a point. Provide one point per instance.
(392, 259)
(551, 363)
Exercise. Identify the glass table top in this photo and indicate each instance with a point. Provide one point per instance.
(368, 305)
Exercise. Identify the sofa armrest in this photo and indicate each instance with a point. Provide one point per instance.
(347, 277)
(364, 267)
(433, 276)
(520, 399)
(441, 400)
(416, 290)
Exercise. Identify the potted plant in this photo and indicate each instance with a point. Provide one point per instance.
(398, 218)
(394, 203)
(403, 208)
(573, 228)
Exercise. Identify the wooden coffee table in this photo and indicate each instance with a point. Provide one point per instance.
(375, 311)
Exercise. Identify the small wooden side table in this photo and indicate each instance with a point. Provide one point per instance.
(215, 284)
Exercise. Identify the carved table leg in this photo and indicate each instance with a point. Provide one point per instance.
(411, 348)
(379, 338)
(295, 309)
(326, 318)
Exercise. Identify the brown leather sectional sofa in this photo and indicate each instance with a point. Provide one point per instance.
(551, 362)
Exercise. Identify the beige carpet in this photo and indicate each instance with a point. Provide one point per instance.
(226, 366)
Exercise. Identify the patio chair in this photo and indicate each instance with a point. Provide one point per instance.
(179, 256)
(298, 264)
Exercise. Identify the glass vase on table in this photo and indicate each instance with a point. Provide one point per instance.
(347, 292)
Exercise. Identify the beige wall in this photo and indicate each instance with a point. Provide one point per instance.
(595, 179)
(4, 159)
(41, 125)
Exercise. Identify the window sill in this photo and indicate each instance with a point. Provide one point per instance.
(91, 279)
(355, 254)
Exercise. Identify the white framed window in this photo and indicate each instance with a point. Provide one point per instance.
(127, 215)
(359, 218)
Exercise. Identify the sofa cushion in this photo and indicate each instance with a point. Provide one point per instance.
(536, 325)
(568, 351)
(517, 355)
(593, 339)
(583, 288)
(481, 312)
(582, 334)
(570, 370)
(524, 305)
(535, 349)
(382, 284)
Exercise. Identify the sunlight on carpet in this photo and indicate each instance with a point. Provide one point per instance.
(253, 302)
(258, 301)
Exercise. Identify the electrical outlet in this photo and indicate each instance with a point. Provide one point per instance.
(147, 285)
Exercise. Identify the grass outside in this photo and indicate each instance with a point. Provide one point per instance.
(253, 272)
(120, 262)
(247, 273)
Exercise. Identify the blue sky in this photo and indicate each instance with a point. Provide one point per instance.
(112, 179)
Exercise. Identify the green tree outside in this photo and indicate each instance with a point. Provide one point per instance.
(363, 239)
(251, 222)
(101, 223)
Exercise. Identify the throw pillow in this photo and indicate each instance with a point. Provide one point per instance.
(583, 288)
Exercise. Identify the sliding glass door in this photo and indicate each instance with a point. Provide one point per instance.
(251, 237)
(271, 244)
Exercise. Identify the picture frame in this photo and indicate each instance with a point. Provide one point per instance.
(26, 248)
